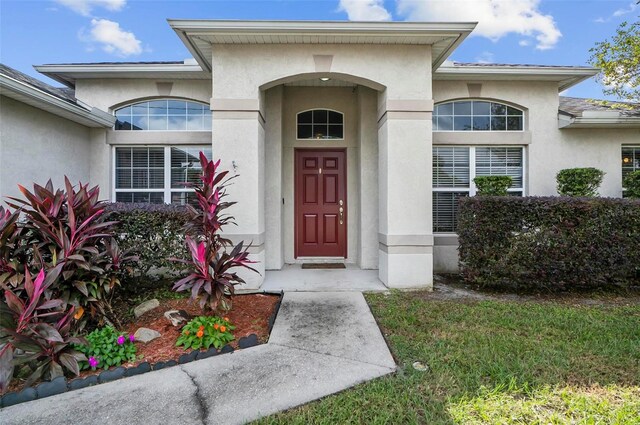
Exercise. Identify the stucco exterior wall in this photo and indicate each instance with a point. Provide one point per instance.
(36, 145)
(548, 148)
(109, 93)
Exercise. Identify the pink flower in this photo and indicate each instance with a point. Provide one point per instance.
(132, 338)
(120, 340)
(93, 362)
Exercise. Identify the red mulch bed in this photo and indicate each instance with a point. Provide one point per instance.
(249, 314)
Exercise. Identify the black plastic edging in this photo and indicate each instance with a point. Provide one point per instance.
(60, 384)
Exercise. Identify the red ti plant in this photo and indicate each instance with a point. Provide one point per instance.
(212, 278)
(36, 333)
(12, 250)
(68, 227)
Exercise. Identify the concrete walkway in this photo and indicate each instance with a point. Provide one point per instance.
(321, 343)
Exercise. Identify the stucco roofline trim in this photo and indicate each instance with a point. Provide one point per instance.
(67, 73)
(451, 33)
(565, 76)
(47, 102)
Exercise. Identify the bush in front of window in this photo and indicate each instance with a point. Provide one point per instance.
(631, 184)
(549, 243)
(493, 185)
(154, 232)
(579, 181)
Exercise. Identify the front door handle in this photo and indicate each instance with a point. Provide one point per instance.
(341, 210)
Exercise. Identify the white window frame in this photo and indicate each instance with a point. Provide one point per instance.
(472, 190)
(163, 98)
(634, 148)
(167, 190)
(344, 125)
(524, 116)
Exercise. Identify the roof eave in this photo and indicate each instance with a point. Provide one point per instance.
(590, 122)
(39, 98)
(565, 76)
(187, 28)
(63, 73)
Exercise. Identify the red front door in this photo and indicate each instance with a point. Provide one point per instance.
(320, 203)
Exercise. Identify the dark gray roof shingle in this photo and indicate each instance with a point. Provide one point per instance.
(576, 106)
(512, 65)
(66, 94)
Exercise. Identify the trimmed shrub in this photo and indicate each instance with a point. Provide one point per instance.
(493, 185)
(631, 183)
(549, 243)
(154, 232)
(579, 181)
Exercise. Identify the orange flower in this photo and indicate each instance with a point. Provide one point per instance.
(200, 334)
(187, 332)
(223, 328)
(226, 319)
(79, 313)
(216, 326)
(201, 328)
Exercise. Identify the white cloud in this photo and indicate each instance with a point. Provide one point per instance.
(113, 38)
(485, 57)
(365, 10)
(496, 18)
(84, 7)
(524, 43)
(622, 12)
(618, 13)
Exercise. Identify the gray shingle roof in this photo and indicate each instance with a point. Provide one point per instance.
(121, 63)
(576, 106)
(512, 65)
(66, 94)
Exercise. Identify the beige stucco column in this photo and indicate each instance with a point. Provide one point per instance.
(405, 208)
(238, 140)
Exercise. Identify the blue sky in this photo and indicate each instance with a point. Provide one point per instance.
(553, 32)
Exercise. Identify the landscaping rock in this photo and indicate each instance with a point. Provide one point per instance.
(170, 363)
(111, 375)
(145, 335)
(27, 394)
(76, 384)
(177, 317)
(138, 370)
(226, 349)
(57, 386)
(158, 366)
(248, 341)
(189, 357)
(145, 306)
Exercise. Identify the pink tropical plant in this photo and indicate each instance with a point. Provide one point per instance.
(36, 333)
(212, 278)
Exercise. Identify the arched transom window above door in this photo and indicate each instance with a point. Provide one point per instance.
(320, 124)
(164, 115)
(477, 115)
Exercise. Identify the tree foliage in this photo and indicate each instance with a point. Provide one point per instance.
(619, 61)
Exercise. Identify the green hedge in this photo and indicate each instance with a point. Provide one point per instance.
(154, 232)
(554, 243)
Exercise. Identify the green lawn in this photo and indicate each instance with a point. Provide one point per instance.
(495, 362)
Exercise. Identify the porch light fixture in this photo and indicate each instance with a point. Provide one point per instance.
(324, 78)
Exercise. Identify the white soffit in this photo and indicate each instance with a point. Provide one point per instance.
(199, 35)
